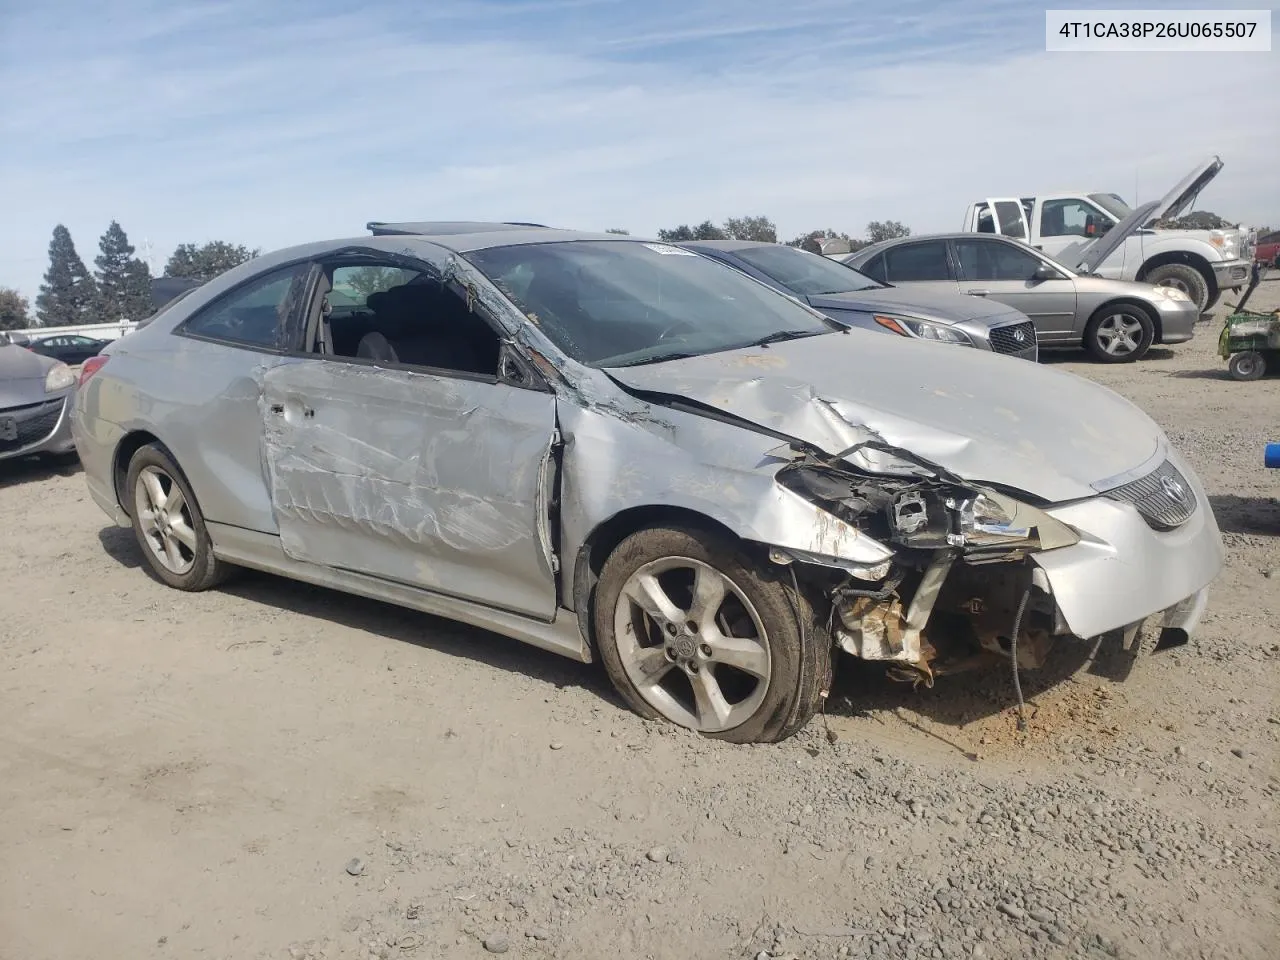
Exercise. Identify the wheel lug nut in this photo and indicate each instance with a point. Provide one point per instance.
(705, 649)
(671, 629)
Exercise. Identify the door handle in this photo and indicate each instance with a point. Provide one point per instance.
(977, 293)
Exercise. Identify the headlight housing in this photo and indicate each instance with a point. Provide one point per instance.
(993, 519)
(1173, 293)
(59, 377)
(923, 329)
(1228, 241)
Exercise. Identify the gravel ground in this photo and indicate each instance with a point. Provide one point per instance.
(272, 770)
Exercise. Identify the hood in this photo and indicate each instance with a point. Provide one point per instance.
(981, 416)
(22, 376)
(948, 308)
(1089, 256)
(1173, 203)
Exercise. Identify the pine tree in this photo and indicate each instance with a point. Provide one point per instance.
(124, 282)
(68, 295)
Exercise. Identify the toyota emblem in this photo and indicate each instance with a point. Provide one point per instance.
(1174, 490)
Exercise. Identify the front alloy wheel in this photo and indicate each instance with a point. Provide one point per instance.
(1119, 334)
(693, 631)
(692, 644)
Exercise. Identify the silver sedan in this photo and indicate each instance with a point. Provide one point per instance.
(618, 449)
(1115, 320)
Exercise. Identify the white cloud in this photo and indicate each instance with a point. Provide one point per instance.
(290, 131)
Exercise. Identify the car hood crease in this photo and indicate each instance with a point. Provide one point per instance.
(983, 417)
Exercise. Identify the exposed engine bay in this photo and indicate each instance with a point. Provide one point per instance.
(960, 591)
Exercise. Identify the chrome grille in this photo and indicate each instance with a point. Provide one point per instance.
(1163, 497)
(34, 423)
(1017, 339)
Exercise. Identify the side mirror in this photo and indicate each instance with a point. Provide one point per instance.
(1046, 271)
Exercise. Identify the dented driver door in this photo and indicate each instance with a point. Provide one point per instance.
(437, 480)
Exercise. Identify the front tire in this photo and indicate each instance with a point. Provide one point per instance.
(691, 631)
(1182, 277)
(168, 524)
(1249, 365)
(1120, 333)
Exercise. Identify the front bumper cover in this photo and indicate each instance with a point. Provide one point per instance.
(43, 427)
(1122, 571)
(1232, 274)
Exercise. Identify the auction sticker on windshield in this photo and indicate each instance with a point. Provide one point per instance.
(668, 250)
(1168, 31)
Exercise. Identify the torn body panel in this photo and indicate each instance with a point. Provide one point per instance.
(439, 482)
(710, 469)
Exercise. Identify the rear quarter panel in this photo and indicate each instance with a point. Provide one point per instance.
(202, 401)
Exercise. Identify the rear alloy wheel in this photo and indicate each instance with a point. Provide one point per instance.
(1249, 365)
(690, 631)
(168, 524)
(1119, 334)
(1182, 277)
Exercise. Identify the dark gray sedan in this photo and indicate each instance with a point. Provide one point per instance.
(853, 298)
(34, 408)
(1115, 320)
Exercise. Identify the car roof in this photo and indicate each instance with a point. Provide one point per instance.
(879, 245)
(463, 236)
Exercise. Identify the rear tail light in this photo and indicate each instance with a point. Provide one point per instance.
(91, 366)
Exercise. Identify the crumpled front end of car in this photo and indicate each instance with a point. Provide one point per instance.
(975, 568)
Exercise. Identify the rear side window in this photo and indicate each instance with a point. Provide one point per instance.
(874, 268)
(253, 314)
(916, 262)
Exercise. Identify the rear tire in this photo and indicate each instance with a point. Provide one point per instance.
(1182, 277)
(168, 524)
(691, 631)
(1119, 333)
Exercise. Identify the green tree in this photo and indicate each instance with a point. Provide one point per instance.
(706, 230)
(14, 310)
(369, 280)
(812, 241)
(207, 261)
(68, 295)
(878, 230)
(751, 228)
(124, 282)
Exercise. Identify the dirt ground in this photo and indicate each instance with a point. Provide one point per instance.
(273, 770)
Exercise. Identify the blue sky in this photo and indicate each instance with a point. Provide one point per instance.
(275, 123)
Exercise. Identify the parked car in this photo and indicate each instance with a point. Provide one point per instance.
(1268, 249)
(1115, 320)
(72, 348)
(616, 448)
(35, 393)
(853, 298)
(1152, 246)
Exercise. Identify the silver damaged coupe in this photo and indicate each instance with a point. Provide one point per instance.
(612, 448)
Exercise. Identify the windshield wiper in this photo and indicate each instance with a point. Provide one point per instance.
(660, 358)
(779, 335)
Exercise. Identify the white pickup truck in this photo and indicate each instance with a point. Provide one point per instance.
(1099, 233)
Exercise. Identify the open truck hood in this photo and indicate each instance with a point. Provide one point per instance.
(1089, 256)
(981, 416)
